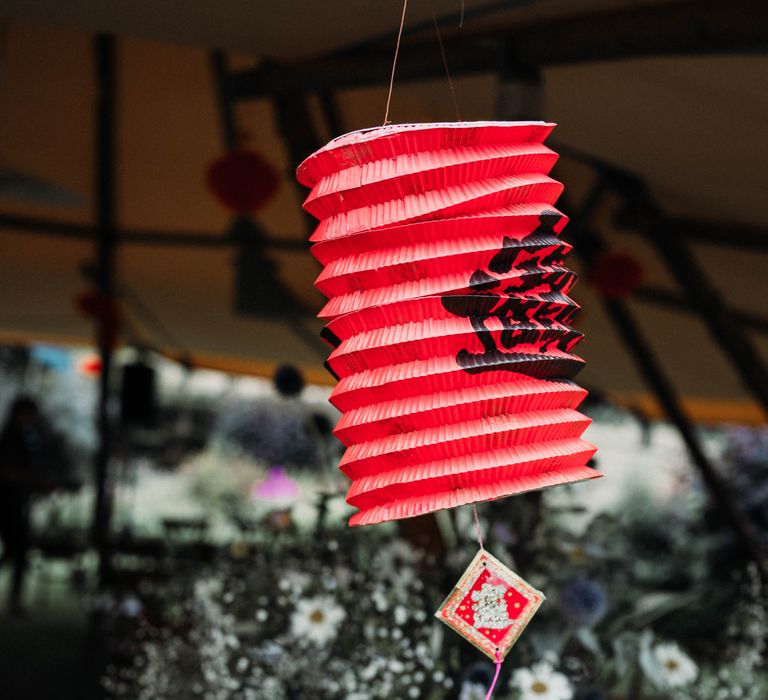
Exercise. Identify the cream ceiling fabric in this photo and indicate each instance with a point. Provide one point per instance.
(691, 127)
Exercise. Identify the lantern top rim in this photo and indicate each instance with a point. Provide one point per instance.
(375, 131)
(422, 139)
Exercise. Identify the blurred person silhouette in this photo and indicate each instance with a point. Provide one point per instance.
(22, 473)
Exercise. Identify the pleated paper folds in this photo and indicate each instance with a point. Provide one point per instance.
(448, 314)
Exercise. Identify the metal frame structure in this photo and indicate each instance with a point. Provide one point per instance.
(687, 27)
(105, 275)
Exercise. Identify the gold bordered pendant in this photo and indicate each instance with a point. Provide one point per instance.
(490, 606)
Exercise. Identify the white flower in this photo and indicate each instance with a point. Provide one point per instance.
(542, 682)
(271, 688)
(316, 619)
(472, 691)
(395, 562)
(379, 599)
(666, 664)
(401, 615)
(296, 580)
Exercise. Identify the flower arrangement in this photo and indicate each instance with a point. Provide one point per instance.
(332, 620)
(349, 615)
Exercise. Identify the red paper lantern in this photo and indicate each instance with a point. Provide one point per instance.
(448, 314)
(242, 181)
(616, 275)
(91, 304)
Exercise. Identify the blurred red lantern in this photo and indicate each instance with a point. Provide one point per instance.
(616, 275)
(88, 303)
(242, 181)
(90, 365)
(448, 313)
(93, 305)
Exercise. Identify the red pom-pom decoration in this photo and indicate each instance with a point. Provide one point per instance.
(616, 275)
(448, 314)
(242, 180)
(90, 365)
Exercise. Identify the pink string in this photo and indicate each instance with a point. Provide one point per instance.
(496, 677)
(499, 661)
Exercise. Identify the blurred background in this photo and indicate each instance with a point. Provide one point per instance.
(178, 529)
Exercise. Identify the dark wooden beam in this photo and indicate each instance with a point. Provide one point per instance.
(47, 227)
(329, 106)
(421, 62)
(641, 209)
(707, 300)
(86, 232)
(658, 29)
(693, 27)
(295, 123)
(634, 215)
(203, 240)
(589, 244)
(224, 103)
(730, 235)
(662, 297)
(447, 20)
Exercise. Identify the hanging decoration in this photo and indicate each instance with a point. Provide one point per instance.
(448, 314)
(89, 365)
(616, 275)
(242, 180)
(93, 305)
(490, 606)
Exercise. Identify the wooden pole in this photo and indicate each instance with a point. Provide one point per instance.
(106, 241)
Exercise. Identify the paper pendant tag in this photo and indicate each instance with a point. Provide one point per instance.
(490, 606)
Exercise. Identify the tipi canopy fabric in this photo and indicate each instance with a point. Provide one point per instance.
(687, 126)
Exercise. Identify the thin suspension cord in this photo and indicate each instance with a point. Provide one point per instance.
(499, 660)
(445, 61)
(478, 531)
(394, 62)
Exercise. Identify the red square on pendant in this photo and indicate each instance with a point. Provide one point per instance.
(490, 606)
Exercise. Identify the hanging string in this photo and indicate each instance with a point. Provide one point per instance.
(445, 59)
(496, 677)
(461, 19)
(478, 531)
(394, 62)
(499, 661)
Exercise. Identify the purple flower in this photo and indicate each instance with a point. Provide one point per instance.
(276, 431)
(276, 487)
(583, 602)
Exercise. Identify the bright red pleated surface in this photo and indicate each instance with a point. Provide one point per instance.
(448, 314)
